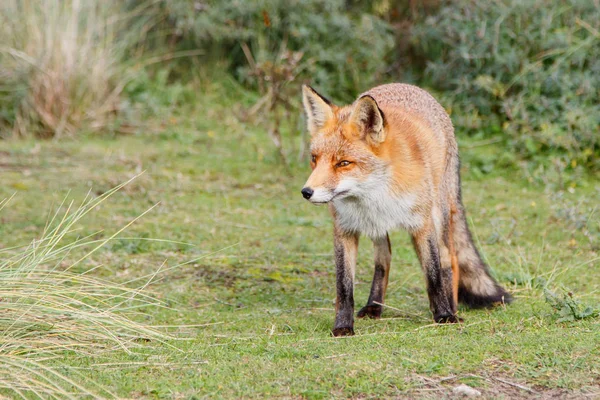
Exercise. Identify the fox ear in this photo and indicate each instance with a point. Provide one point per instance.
(318, 109)
(369, 118)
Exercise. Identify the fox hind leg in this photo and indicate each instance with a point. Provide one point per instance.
(383, 258)
(436, 261)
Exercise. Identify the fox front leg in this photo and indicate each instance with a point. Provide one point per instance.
(346, 249)
(438, 275)
(383, 258)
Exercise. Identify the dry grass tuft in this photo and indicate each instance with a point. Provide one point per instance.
(63, 64)
(49, 312)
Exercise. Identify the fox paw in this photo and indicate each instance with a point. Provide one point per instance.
(372, 311)
(447, 319)
(343, 332)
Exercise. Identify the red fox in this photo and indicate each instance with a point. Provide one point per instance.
(390, 160)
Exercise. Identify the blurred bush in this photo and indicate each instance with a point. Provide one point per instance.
(344, 48)
(527, 71)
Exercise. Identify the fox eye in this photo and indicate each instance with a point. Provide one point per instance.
(343, 163)
(313, 158)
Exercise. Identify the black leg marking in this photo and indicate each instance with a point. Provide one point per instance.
(383, 257)
(344, 318)
(373, 310)
(439, 282)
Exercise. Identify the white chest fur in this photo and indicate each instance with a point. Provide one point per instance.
(372, 209)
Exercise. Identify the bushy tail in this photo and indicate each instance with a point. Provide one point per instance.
(476, 287)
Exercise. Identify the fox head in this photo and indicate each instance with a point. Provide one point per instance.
(346, 147)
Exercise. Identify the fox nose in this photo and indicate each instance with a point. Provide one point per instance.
(307, 192)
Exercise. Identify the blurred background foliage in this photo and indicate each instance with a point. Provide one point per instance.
(522, 73)
(525, 70)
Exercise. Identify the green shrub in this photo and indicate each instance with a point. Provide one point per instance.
(344, 52)
(528, 70)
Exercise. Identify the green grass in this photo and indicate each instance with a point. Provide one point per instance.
(252, 304)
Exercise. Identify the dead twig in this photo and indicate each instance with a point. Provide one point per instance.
(335, 356)
(482, 143)
(519, 386)
(401, 311)
(273, 78)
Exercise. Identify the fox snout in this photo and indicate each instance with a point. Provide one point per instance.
(307, 192)
(316, 196)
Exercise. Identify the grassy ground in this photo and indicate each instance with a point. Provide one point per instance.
(260, 278)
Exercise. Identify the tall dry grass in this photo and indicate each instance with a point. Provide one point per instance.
(63, 63)
(49, 312)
